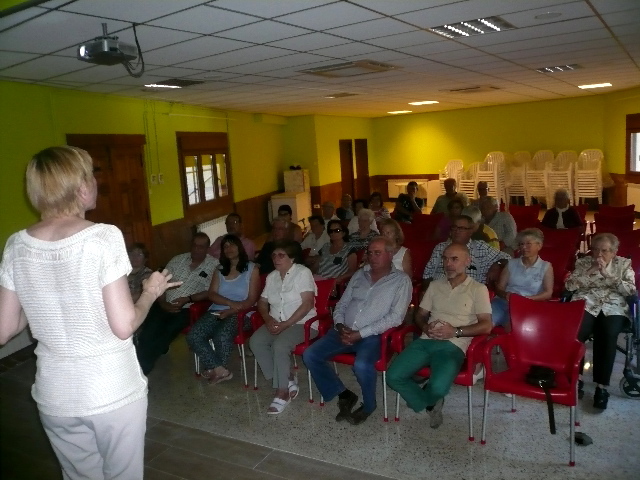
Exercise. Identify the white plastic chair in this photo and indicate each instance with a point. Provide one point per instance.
(450, 170)
(492, 171)
(467, 180)
(536, 174)
(588, 175)
(559, 174)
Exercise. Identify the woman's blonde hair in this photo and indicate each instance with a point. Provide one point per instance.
(54, 177)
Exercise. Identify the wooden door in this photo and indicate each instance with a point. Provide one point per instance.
(123, 198)
(363, 188)
(346, 167)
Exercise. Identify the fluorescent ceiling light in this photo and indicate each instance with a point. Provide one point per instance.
(478, 26)
(157, 85)
(399, 111)
(559, 68)
(595, 85)
(426, 102)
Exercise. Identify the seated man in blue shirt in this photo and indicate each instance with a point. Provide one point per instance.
(376, 299)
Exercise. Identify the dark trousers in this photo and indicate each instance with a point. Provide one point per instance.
(158, 331)
(605, 331)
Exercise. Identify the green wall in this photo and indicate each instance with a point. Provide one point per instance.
(424, 143)
(34, 117)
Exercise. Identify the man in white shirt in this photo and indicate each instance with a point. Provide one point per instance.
(170, 314)
(317, 237)
(376, 299)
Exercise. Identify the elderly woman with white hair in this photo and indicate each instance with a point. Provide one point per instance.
(527, 275)
(603, 280)
(360, 239)
(562, 215)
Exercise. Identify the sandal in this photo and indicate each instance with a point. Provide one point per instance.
(223, 378)
(293, 389)
(279, 405)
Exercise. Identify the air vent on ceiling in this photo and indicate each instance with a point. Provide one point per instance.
(340, 95)
(476, 89)
(350, 69)
(468, 28)
(559, 68)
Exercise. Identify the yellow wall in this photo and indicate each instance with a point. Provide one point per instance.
(35, 117)
(424, 143)
(617, 107)
(300, 145)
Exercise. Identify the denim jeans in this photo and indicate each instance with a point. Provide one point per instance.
(367, 350)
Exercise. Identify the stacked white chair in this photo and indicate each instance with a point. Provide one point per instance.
(450, 170)
(467, 180)
(536, 174)
(560, 173)
(588, 175)
(516, 183)
(492, 171)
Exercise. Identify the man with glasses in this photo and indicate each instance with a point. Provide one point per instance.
(482, 255)
(376, 299)
(233, 222)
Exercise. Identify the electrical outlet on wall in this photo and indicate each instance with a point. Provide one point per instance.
(161, 178)
(154, 179)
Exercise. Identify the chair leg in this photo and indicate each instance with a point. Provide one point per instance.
(485, 411)
(397, 419)
(213, 347)
(255, 373)
(321, 401)
(196, 360)
(310, 388)
(572, 442)
(335, 367)
(244, 365)
(470, 408)
(295, 362)
(239, 352)
(513, 404)
(384, 395)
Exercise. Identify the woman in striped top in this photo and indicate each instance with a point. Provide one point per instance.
(336, 259)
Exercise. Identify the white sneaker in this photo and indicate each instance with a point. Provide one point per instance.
(478, 376)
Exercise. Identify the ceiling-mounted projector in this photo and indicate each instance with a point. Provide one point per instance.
(107, 50)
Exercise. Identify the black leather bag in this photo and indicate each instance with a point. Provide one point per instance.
(545, 378)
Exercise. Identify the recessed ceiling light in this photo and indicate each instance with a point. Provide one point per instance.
(548, 15)
(426, 102)
(157, 85)
(595, 85)
(559, 68)
(479, 26)
(399, 111)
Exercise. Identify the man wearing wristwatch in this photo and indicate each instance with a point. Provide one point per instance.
(453, 310)
(170, 313)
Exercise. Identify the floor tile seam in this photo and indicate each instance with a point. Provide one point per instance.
(162, 471)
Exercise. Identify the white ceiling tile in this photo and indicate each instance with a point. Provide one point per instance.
(53, 3)
(136, 11)
(54, 31)
(151, 38)
(608, 6)
(43, 67)
(21, 16)
(417, 37)
(268, 9)
(622, 18)
(310, 41)
(431, 48)
(93, 74)
(329, 16)
(296, 61)
(11, 58)
(399, 6)
(204, 20)
(619, 30)
(173, 72)
(372, 29)
(346, 50)
(264, 32)
(192, 49)
(568, 38)
(238, 57)
(568, 11)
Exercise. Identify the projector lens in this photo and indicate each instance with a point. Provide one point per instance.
(82, 50)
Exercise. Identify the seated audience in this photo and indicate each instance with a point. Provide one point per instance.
(502, 223)
(408, 203)
(279, 232)
(483, 256)
(562, 215)
(347, 207)
(375, 300)
(337, 258)
(603, 280)
(483, 192)
(390, 229)
(329, 212)
(377, 207)
(481, 231)
(354, 226)
(442, 202)
(235, 286)
(233, 222)
(295, 232)
(361, 238)
(317, 236)
(527, 275)
(454, 210)
(453, 310)
(285, 304)
(170, 313)
(138, 256)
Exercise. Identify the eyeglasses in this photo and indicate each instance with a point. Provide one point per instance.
(600, 250)
(456, 227)
(278, 255)
(334, 230)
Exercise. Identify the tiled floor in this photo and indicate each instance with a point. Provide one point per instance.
(198, 431)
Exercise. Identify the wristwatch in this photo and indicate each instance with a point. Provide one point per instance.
(458, 332)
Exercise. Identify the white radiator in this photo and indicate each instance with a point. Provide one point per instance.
(214, 228)
(633, 195)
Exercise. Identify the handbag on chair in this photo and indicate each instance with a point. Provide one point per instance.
(545, 378)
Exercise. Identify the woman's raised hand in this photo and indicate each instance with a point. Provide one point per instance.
(158, 283)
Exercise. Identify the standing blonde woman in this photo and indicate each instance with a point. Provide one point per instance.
(67, 278)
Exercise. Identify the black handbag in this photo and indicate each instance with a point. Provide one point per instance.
(545, 378)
